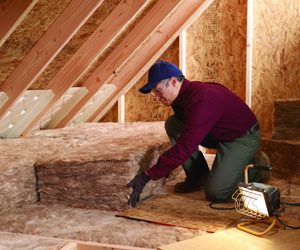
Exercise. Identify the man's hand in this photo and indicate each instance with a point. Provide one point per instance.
(137, 184)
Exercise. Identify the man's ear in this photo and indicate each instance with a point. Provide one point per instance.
(174, 81)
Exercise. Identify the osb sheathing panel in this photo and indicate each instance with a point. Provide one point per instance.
(286, 120)
(276, 57)
(216, 45)
(28, 33)
(75, 43)
(112, 115)
(188, 211)
(140, 107)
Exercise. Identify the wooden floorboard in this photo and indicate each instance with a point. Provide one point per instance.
(236, 239)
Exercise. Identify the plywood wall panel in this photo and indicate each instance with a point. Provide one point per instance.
(27, 34)
(216, 45)
(276, 57)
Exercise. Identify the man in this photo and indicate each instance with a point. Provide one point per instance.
(206, 114)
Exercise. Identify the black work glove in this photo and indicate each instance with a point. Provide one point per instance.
(137, 184)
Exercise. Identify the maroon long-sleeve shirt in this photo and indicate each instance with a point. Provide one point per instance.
(205, 108)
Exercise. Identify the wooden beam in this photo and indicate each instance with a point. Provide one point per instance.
(12, 13)
(155, 16)
(121, 109)
(44, 51)
(182, 51)
(89, 52)
(160, 40)
(85, 245)
(249, 52)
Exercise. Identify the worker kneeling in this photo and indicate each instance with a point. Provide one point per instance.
(206, 114)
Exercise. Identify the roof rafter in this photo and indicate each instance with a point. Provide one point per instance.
(12, 14)
(44, 51)
(182, 17)
(89, 52)
(155, 16)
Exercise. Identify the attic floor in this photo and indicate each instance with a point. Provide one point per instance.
(87, 225)
(98, 226)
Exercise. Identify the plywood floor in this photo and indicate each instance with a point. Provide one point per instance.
(236, 239)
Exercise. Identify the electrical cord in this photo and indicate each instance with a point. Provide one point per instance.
(290, 204)
(281, 222)
(211, 205)
(288, 226)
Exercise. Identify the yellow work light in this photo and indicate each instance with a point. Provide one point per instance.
(257, 200)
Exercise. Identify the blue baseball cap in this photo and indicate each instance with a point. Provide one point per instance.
(160, 71)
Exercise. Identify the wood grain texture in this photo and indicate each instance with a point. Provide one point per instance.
(97, 246)
(286, 120)
(154, 17)
(26, 35)
(216, 45)
(89, 52)
(79, 38)
(154, 46)
(60, 32)
(188, 211)
(276, 57)
(234, 238)
(11, 14)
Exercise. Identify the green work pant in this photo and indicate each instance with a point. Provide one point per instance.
(227, 170)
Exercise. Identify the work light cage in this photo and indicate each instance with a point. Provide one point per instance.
(250, 203)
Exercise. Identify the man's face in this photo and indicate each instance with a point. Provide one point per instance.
(165, 91)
